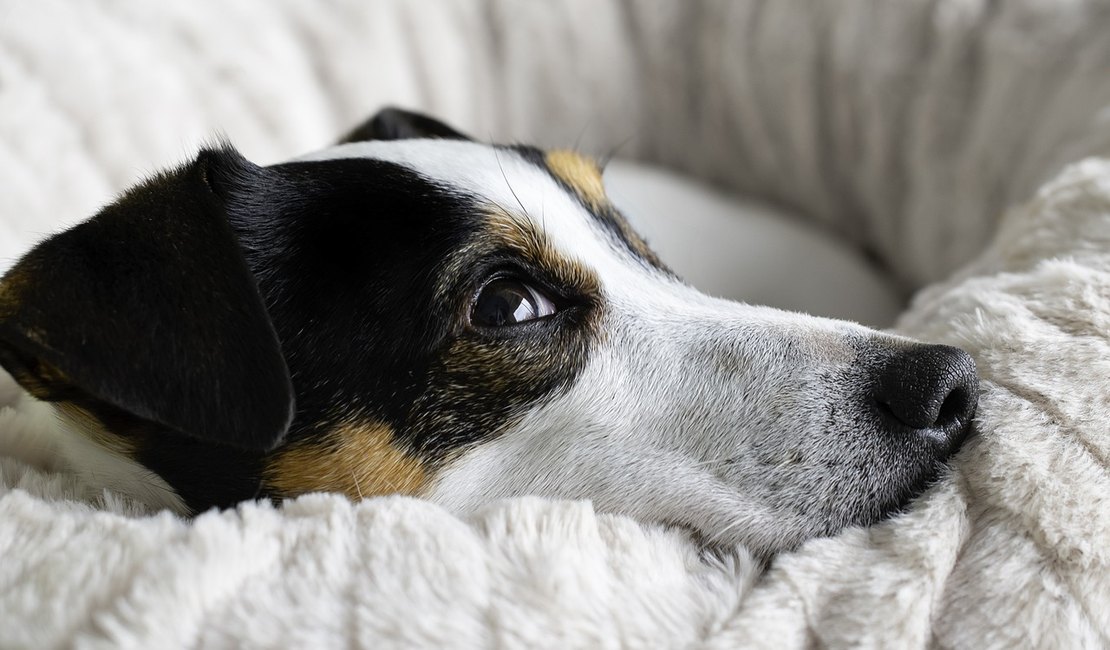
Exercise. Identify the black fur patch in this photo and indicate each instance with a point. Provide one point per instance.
(368, 271)
(399, 124)
(149, 307)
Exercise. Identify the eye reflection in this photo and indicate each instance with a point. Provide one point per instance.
(506, 302)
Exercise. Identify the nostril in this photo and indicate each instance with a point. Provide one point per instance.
(927, 388)
(953, 408)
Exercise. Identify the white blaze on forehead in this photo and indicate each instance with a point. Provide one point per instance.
(504, 178)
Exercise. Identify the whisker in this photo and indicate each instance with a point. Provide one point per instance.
(585, 127)
(605, 160)
(497, 156)
(358, 488)
(717, 537)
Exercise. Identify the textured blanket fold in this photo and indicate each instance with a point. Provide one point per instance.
(908, 127)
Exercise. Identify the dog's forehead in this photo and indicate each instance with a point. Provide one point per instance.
(551, 192)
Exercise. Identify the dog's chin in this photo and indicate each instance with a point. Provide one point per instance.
(899, 501)
(791, 531)
(904, 500)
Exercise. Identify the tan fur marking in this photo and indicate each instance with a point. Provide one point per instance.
(43, 380)
(358, 460)
(580, 173)
(92, 428)
(525, 240)
(533, 245)
(584, 176)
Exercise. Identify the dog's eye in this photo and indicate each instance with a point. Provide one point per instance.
(509, 302)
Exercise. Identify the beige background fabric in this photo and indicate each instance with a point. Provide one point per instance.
(908, 126)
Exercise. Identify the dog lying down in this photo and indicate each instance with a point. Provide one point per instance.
(413, 312)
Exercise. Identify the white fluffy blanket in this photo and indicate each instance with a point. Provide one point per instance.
(907, 126)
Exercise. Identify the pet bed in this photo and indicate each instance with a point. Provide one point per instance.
(906, 127)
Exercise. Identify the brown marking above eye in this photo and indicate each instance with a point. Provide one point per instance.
(503, 231)
(579, 173)
(358, 459)
(521, 235)
(583, 176)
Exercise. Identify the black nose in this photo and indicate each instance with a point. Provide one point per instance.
(932, 389)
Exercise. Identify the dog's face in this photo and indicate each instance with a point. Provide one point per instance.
(412, 312)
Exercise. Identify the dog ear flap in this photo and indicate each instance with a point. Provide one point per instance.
(149, 306)
(397, 124)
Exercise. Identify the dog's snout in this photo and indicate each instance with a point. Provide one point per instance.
(932, 389)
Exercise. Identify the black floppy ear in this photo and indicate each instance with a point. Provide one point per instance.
(396, 124)
(149, 307)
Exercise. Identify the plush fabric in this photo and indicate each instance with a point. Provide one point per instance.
(906, 126)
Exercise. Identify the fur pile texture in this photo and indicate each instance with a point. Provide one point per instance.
(906, 126)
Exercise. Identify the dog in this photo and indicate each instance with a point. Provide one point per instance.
(414, 312)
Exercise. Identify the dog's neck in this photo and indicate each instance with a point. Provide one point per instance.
(59, 439)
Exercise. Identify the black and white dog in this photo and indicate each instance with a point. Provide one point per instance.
(413, 312)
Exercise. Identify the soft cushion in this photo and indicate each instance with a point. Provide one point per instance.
(739, 249)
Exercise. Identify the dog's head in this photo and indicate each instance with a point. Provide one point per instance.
(413, 312)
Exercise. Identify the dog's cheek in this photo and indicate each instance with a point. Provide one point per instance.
(481, 389)
(358, 459)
